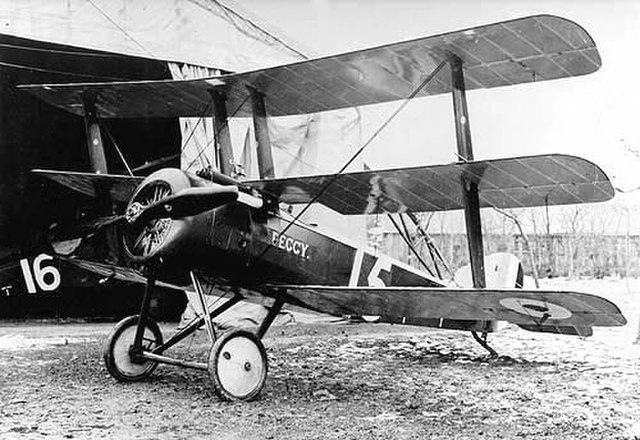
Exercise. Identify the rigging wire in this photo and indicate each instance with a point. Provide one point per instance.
(433, 261)
(430, 243)
(408, 242)
(117, 148)
(427, 241)
(337, 175)
(202, 150)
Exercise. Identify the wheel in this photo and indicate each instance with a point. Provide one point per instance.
(117, 358)
(238, 365)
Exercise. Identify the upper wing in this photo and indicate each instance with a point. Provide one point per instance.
(553, 179)
(531, 308)
(531, 49)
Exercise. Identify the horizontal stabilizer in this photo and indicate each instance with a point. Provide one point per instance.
(120, 188)
(533, 308)
(552, 179)
(525, 50)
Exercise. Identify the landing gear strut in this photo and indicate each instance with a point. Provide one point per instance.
(237, 361)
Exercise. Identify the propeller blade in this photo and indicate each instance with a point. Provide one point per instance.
(184, 203)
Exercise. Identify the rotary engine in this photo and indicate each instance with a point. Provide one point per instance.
(164, 214)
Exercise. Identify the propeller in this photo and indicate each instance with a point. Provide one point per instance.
(184, 203)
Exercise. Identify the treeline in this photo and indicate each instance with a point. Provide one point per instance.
(573, 241)
(567, 255)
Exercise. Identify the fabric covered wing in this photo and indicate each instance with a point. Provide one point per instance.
(119, 187)
(504, 183)
(119, 273)
(531, 49)
(532, 308)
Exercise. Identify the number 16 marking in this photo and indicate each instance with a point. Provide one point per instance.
(39, 275)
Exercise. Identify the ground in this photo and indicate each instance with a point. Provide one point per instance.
(338, 381)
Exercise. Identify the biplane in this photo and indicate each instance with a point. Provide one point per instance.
(233, 238)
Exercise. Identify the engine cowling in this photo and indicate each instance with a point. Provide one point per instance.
(161, 239)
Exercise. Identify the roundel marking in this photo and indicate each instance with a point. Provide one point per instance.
(536, 308)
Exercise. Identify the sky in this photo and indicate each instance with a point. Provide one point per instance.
(593, 116)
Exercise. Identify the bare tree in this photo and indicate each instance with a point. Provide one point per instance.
(574, 221)
(534, 261)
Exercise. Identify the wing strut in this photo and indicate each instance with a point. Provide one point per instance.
(260, 124)
(95, 145)
(470, 196)
(222, 137)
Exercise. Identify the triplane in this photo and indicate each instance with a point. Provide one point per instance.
(230, 238)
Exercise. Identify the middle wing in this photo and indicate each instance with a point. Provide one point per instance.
(553, 179)
(545, 180)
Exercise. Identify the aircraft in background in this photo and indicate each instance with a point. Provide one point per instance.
(233, 239)
(34, 134)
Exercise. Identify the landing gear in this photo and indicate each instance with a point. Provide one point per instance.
(119, 355)
(237, 362)
(238, 365)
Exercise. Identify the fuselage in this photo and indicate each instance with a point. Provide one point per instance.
(277, 249)
(250, 248)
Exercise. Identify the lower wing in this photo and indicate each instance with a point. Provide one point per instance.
(538, 310)
(535, 310)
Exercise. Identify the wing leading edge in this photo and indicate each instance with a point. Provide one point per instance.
(531, 49)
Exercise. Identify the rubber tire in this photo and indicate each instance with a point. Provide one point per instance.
(218, 349)
(110, 358)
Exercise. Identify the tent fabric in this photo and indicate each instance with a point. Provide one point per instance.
(197, 149)
(199, 32)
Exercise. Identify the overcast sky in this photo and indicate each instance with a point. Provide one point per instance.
(593, 116)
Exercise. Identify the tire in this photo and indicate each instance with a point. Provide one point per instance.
(238, 366)
(116, 352)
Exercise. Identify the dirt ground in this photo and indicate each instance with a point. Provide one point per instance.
(338, 381)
